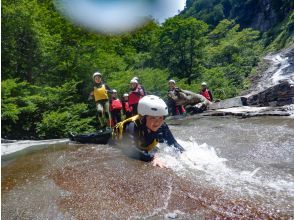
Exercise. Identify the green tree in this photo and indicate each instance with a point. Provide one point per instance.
(235, 50)
(180, 47)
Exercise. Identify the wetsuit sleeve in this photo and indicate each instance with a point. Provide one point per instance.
(143, 89)
(108, 88)
(210, 94)
(168, 137)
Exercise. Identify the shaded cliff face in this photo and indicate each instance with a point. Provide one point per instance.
(267, 13)
(257, 14)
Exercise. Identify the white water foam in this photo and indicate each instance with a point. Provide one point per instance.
(204, 158)
(276, 72)
(278, 75)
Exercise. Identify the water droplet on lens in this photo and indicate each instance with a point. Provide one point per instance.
(117, 16)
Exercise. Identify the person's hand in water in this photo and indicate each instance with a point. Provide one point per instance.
(158, 162)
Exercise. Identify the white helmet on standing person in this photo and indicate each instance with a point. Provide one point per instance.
(134, 81)
(135, 78)
(172, 81)
(97, 74)
(152, 105)
(126, 95)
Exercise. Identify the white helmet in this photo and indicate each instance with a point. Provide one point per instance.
(136, 78)
(97, 74)
(114, 91)
(152, 105)
(134, 81)
(126, 95)
(172, 81)
(203, 84)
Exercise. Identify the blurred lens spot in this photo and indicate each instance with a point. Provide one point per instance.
(117, 16)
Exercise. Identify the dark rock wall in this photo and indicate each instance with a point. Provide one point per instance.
(278, 95)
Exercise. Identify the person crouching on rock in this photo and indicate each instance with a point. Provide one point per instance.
(145, 130)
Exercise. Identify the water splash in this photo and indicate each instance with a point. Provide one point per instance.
(113, 16)
(198, 157)
(203, 160)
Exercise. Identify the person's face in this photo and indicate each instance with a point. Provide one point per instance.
(126, 98)
(154, 122)
(114, 95)
(171, 85)
(133, 85)
(97, 79)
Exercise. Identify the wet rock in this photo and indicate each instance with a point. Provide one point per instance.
(7, 141)
(278, 95)
(229, 103)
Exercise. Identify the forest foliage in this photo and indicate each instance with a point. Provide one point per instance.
(47, 64)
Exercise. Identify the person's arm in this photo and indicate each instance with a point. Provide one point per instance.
(210, 94)
(168, 137)
(109, 90)
(138, 91)
(143, 89)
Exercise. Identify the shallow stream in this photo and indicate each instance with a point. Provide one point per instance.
(232, 168)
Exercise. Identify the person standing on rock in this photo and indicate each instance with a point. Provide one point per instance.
(115, 108)
(135, 95)
(100, 93)
(206, 92)
(174, 109)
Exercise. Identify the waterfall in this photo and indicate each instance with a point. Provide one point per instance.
(281, 69)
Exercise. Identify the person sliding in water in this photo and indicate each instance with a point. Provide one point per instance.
(100, 94)
(145, 130)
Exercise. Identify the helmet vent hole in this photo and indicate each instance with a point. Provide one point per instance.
(154, 109)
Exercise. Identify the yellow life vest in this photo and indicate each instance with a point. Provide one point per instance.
(118, 133)
(100, 93)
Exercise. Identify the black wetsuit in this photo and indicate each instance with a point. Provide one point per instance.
(137, 134)
(136, 139)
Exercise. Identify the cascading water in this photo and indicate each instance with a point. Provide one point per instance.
(281, 69)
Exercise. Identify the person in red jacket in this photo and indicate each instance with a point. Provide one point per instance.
(127, 111)
(115, 108)
(139, 84)
(205, 92)
(135, 95)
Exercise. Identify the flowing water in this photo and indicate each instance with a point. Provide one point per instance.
(232, 168)
(281, 68)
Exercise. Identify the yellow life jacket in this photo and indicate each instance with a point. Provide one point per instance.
(100, 93)
(118, 133)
